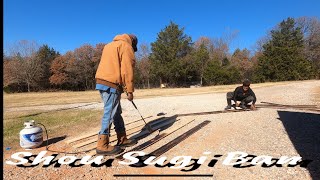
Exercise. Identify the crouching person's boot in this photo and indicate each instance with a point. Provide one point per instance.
(123, 141)
(243, 105)
(103, 147)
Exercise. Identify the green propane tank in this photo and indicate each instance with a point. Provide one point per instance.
(31, 136)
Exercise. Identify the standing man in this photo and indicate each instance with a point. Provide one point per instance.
(113, 76)
(244, 94)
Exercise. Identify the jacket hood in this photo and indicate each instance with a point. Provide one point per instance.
(123, 37)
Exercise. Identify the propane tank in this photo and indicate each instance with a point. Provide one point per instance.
(31, 136)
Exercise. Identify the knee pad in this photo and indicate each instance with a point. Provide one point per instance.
(249, 99)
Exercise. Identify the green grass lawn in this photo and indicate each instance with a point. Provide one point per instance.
(58, 123)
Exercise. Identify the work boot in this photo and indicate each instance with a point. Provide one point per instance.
(228, 107)
(103, 147)
(123, 141)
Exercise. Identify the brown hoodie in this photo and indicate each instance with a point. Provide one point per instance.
(117, 63)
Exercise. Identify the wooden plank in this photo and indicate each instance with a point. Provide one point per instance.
(178, 139)
(113, 137)
(144, 132)
(212, 112)
(69, 141)
(155, 139)
(95, 133)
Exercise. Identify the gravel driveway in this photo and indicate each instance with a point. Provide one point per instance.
(267, 131)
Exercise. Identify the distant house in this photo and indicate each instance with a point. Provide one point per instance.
(164, 85)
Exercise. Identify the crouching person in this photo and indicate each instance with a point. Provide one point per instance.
(114, 72)
(244, 94)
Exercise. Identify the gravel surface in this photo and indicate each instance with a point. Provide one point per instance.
(268, 132)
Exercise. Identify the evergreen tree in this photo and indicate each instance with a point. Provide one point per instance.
(201, 57)
(216, 74)
(225, 62)
(167, 54)
(45, 56)
(283, 57)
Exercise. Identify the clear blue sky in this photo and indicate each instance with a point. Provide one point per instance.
(67, 24)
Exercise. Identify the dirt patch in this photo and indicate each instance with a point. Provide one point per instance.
(316, 93)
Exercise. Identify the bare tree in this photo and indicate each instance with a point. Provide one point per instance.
(9, 76)
(258, 46)
(23, 48)
(85, 65)
(203, 40)
(218, 47)
(201, 55)
(144, 64)
(310, 26)
(97, 54)
(26, 68)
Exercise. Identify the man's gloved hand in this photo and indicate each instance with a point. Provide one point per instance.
(130, 96)
(253, 107)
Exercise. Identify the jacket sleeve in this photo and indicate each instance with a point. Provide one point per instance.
(254, 96)
(127, 66)
(235, 93)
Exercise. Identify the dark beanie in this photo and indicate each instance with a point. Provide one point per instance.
(246, 82)
(134, 40)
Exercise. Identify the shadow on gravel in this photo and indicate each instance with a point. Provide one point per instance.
(155, 123)
(52, 141)
(304, 132)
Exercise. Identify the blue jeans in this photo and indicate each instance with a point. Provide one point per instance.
(112, 112)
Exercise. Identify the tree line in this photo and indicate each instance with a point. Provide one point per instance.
(290, 51)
